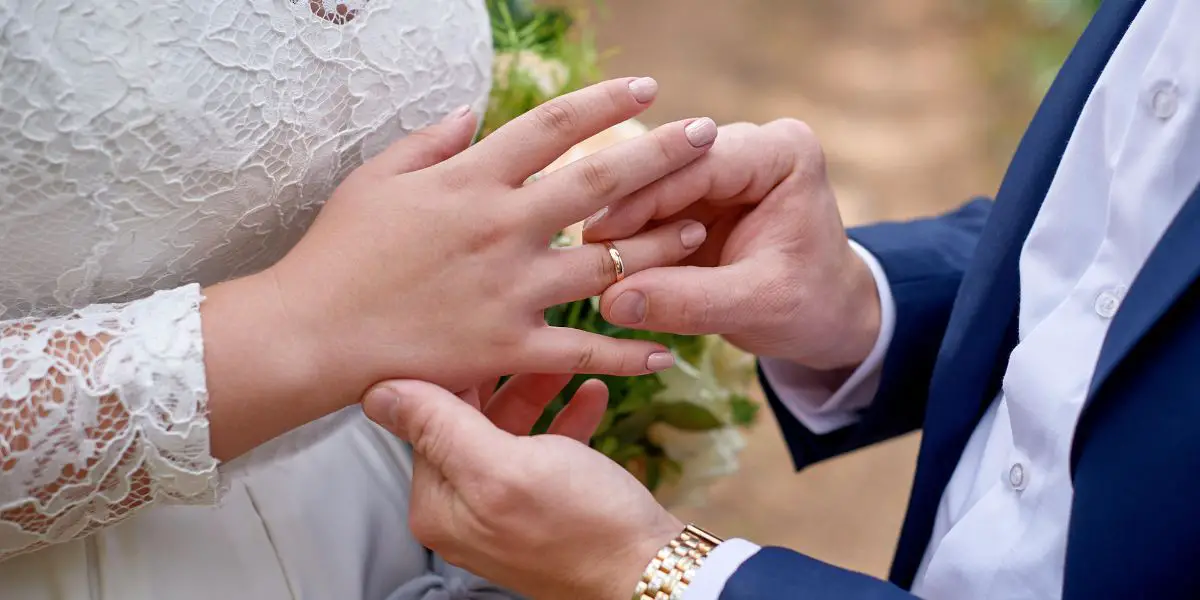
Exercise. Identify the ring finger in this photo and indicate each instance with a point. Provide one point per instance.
(588, 270)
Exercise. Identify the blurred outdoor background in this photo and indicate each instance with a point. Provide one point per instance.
(919, 104)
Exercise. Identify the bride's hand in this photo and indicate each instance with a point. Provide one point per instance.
(441, 271)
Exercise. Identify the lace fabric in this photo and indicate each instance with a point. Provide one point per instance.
(101, 412)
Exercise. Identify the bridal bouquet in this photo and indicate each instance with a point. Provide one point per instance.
(677, 430)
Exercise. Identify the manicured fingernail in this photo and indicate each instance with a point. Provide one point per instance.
(693, 235)
(644, 89)
(380, 405)
(457, 113)
(701, 132)
(592, 220)
(660, 361)
(629, 308)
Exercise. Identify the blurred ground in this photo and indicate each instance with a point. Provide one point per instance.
(894, 91)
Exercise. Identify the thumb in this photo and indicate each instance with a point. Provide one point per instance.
(681, 300)
(451, 434)
(426, 147)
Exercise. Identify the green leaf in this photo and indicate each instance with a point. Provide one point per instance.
(687, 416)
(688, 348)
(624, 454)
(744, 410)
(633, 427)
(607, 445)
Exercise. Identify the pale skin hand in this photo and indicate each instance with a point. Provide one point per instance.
(776, 276)
(432, 261)
(544, 516)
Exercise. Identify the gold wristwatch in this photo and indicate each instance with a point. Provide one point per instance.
(668, 576)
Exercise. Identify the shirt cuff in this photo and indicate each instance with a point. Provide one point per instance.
(824, 401)
(719, 566)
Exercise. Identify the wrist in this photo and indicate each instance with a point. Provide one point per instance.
(263, 369)
(675, 565)
(857, 315)
(637, 553)
(865, 315)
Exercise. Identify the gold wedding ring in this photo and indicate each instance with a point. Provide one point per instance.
(618, 264)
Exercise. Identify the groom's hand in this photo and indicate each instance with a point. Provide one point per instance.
(776, 275)
(544, 516)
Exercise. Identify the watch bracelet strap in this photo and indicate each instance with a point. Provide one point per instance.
(674, 568)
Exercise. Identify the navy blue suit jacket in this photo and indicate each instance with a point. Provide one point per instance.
(1134, 530)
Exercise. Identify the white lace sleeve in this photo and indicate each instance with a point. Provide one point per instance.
(102, 412)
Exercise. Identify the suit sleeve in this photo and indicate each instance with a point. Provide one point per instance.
(924, 261)
(781, 573)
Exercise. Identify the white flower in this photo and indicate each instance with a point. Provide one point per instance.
(550, 75)
(704, 456)
(732, 367)
(686, 382)
(720, 372)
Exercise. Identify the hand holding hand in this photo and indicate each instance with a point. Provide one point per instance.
(776, 275)
(544, 516)
(433, 261)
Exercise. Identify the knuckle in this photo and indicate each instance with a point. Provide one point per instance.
(799, 135)
(586, 359)
(696, 310)
(428, 435)
(599, 178)
(794, 129)
(512, 218)
(602, 267)
(557, 116)
(617, 95)
(623, 363)
(510, 339)
(487, 233)
(665, 148)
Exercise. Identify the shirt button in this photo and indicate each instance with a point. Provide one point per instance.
(1164, 100)
(1108, 301)
(1017, 477)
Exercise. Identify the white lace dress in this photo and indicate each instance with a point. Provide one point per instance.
(148, 147)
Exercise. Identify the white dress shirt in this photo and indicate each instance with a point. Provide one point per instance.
(1132, 161)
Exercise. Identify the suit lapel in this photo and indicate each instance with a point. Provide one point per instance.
(982, 328)
(1172, 267)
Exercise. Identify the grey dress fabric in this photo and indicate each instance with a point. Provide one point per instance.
(445, 581)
